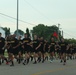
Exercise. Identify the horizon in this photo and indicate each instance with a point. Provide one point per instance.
(47, 12)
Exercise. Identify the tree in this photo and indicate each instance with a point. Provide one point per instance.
(45, 31)
(20, 32)
(71, 41)
(7, 31)
(27, 31)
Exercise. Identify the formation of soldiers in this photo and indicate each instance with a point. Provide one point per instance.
(38, 50)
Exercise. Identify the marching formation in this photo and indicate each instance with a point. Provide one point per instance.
(36, 50)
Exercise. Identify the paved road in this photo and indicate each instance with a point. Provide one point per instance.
(47, 68)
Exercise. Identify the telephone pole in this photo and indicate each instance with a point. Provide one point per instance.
(17, 16)
(58, 31)
(62, 34)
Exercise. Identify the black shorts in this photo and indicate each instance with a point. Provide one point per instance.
(63, 51)
(2, 51)
(15, 51)
(52, 50)
(31, 49)
(58, 51)
(10, 50)
(73, 51)
(69, 52)
(36, 51)
(20, 49)
(46, 50)
(42, 51)
(26, 51)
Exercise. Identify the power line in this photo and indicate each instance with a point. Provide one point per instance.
(69, 34)
(68, 31)
(42, 14)
(16, 19)
(30, 23)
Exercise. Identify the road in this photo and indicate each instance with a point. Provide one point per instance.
(46, 68)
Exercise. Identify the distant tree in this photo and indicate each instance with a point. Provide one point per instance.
(27, 31)
(45, 31)
(20, 32)
(71, 41)
(7, 31)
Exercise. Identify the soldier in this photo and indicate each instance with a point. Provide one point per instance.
(35, 48)
(2, 48)
(26, 46)
(42, 51)
(63, 46)
(46, 49)
(14, 48)
(57, 50)
(52, 49)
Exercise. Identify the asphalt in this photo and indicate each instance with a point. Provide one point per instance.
(46, 68)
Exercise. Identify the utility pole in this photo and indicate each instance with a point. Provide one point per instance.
(62, 34)
(17, 16)
(58, 31)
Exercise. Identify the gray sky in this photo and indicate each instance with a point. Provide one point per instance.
(48, 12)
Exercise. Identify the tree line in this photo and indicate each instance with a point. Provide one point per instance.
(40, 30)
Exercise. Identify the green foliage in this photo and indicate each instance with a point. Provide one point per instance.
(27, 31)
(71, 41)
(20, 32)
(7, 31)
(45, 31)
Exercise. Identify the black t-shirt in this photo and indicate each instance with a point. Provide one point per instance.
(57, 47)
(8, 41)
(42, 44)
(63, 45)
(75, 49)
(20, 43)
(26, 41)
(14, 42)
(52, 45)
(2, 42)
(46, 46)
(70, 49)
(35, 43)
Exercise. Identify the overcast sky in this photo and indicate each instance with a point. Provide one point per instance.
(48, 12)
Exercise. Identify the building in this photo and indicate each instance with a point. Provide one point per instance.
(3, 32)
